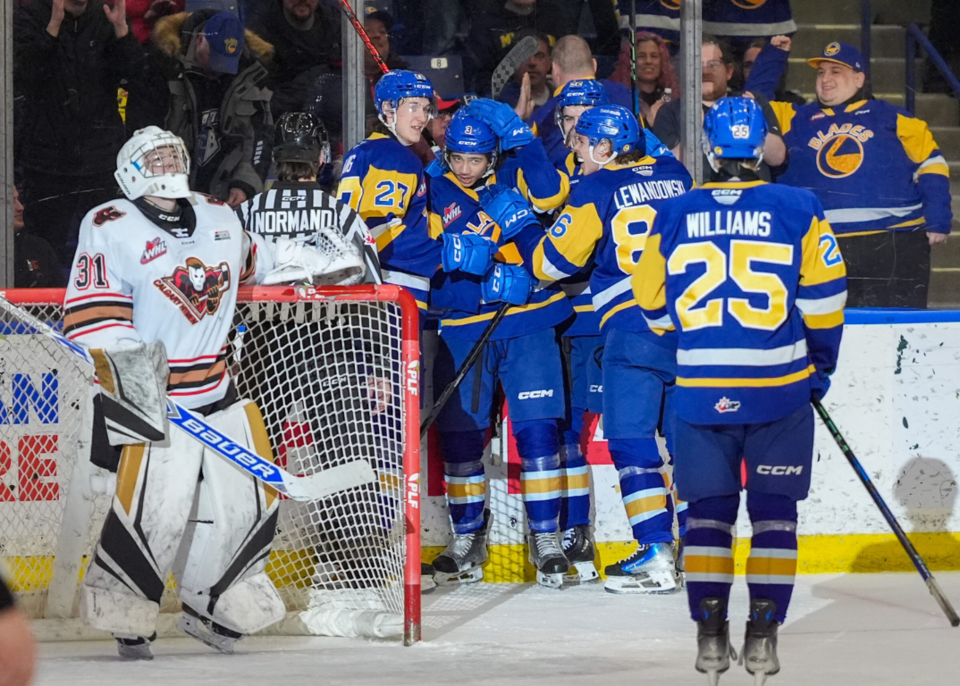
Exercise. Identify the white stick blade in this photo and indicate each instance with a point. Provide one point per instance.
(329, 481)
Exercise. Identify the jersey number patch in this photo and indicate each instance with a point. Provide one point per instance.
(391, 194)
(695, 312)
(630, 227)
(91, 271)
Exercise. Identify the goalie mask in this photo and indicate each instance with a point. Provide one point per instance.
(155, 163)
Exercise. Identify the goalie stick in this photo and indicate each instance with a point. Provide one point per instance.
(312, 487)
(912, 553)
(519, 54)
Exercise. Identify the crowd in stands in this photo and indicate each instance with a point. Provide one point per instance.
(219, 73)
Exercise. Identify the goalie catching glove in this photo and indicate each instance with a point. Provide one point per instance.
(133, 386)
(334, 261)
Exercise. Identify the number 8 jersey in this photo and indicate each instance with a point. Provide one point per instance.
(607, 219)
(750, 276)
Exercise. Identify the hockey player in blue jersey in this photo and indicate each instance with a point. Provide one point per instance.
(485, 144)
(749, 276)
(605, 223)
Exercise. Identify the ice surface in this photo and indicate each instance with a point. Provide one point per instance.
(850, 630)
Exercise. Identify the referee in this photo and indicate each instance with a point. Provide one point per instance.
(296, 207)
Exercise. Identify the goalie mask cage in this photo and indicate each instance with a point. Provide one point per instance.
(335, 371)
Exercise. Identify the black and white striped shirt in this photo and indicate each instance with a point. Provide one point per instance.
(300, 211)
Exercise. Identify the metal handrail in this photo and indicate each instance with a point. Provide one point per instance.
(916, 36)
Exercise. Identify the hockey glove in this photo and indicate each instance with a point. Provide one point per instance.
(819, 385)
(507, 283)
(506, 124)
(508, 208)
(467, 252)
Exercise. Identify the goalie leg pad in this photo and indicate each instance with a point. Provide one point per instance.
(123, 585)
(230, 540)
(133, 382)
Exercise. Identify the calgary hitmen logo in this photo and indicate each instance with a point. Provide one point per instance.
(196, 289)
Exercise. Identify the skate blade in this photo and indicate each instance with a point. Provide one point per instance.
(470, 576)
(650, 583)
(554, 581)
(192, 626)
(427, 585)
(137, 652)
(759, 678)
(581, 573)
(713, 677)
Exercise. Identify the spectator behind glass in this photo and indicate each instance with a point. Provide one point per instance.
(70, 57)
(718, 69)
(378, 25)
(495, 30)
(655, 73)
(883, 183)
(525, 98)
(218, 104)
(305, 68)
(571, 59)
(143, 15)
(35, 262)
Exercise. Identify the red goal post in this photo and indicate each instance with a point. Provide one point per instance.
(336, 373)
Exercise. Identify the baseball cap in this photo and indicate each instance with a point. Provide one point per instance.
(839, 53)
(224, 33)
(454, 101)
(382, 16)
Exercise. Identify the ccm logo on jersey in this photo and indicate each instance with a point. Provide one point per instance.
(779, 470)
(533, 395)
(154, 249)
(726, 405)
(451, 213)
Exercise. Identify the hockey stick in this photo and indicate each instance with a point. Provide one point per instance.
(312, 487)
(519, 54)
(352, 16)
(912, 553)
(464, 369)
(634, 88)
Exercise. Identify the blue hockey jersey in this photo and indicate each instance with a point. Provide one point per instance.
(455, 209)
(873, 166)
(607, 221)
(383, 182)
(720, 17)
(750, 276)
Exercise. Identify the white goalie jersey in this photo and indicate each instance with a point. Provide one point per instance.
(134, 281)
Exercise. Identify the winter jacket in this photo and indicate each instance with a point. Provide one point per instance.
(230, 146)
(73, 125)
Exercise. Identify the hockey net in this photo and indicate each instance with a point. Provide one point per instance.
(335, 372)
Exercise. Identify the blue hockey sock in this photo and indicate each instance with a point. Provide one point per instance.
(466, 481)
(539, 449)
(643, 489)
(772, 565)
(575, 483)
(708, 554)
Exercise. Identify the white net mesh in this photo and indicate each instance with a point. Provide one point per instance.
(330, 380)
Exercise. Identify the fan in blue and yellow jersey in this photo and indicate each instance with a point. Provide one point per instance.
(605, 223)
(482, 141)
(882, 180)
(382, 180)
(749, 276)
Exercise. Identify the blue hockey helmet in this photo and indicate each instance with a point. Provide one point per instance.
(470, 136)
(584, 92)
(614, 123)
(734, 128)
(398, 84)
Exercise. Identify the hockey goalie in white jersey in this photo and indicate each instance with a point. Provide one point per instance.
(153, 291)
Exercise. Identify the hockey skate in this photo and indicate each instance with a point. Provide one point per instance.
(207, 631)
(579, 550)
(651, 569)
(461, 562)
(713, 640)
(546, 554)
(759, 654)
(427, 583)
(137, 648)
